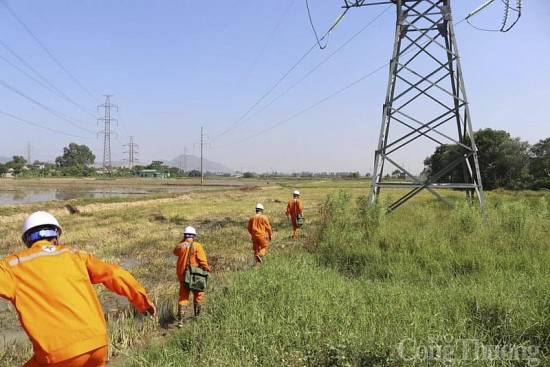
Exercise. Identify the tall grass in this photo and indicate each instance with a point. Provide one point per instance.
(422, 286)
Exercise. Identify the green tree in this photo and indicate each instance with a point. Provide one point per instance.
(159, 166)
(503, 160)
(194, 173)
(175, 172)
(539, 166)
(443, 156)
(77, 160)
(17, 163)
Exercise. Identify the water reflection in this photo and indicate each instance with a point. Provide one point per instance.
(32, 195)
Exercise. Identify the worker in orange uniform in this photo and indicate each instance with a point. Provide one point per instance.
(294, 208)
(261, 232)
(51, 287)
(198, 258)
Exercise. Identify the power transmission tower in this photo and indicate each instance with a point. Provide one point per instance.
(132, 153)
(425, 104)
(106, 132)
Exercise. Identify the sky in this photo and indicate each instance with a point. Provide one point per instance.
(249, 75)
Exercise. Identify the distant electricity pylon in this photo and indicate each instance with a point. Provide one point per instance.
(132, 153)
(106, 132)
(425, 104)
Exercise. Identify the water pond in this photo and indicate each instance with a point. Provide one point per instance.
(36, 194)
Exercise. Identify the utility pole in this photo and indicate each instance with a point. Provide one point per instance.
(106, 132)
(202, 156)
(132, 153)
(425, 103)
(184, 158)
(183, 167)
(29, 152)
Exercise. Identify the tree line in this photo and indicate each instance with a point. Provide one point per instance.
(504, 161)
(78, 161)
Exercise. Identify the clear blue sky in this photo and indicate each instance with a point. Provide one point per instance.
(174, 66)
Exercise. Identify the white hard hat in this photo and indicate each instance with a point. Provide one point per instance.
(259, 206)
(296, 192)
(40, 219)
(190, 230)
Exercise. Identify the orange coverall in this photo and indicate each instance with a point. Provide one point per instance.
(198, 258)
(293, 208)
(260, 230)
(51, 288)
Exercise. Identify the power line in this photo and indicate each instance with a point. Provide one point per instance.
(507, 8)
(48, 86)
(12, 12)
(318, 65)
(307, 108)
(336, 22)
(50, 110)
(279, 81)
(313, 27)
(318, 102)
(41, 126)
(251, 67)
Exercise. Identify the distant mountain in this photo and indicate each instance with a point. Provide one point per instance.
(5, 159)
(190, 162)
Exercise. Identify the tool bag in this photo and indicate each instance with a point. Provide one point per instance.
(300, 220)
(195, 278)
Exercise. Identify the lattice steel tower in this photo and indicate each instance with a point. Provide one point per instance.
(106, 132)
(426, 104)
(132, 153)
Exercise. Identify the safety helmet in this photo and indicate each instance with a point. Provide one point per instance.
(259, 206)
(45, 224)
(190, 230)
(296, 193)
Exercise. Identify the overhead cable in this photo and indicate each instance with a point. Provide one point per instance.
(46, 85)
(336, 22)
(50, 110)
(317, 66)
(314, 104)
(20, 21)
(264, 47)
(240, 119)
(41, 126)
(507, 8)
(308, 108)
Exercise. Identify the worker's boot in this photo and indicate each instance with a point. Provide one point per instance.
(181, 314)
(197, 307)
